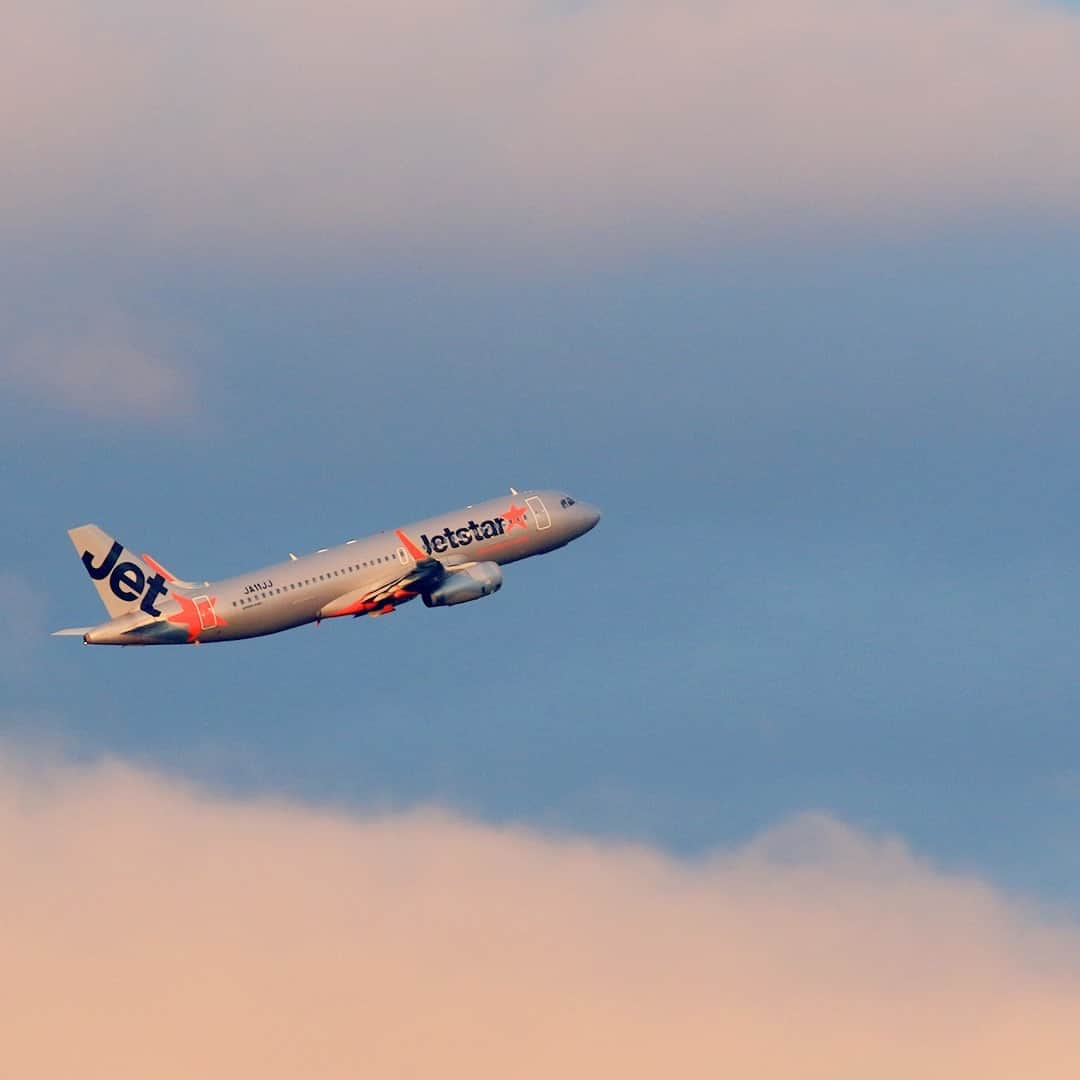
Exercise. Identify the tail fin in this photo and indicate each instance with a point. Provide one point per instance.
(122, 579)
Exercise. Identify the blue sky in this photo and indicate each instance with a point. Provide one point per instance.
(833, 435)
(836, 567)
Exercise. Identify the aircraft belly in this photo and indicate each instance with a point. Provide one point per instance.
(526, 551)
(261, 618)
(272, 618)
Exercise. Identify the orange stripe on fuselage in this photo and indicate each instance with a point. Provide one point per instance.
(414, 552)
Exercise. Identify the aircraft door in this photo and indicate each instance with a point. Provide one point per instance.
(539, 512)
(207, 615)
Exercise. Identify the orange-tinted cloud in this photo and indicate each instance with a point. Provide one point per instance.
(151, 930)
(509, 121)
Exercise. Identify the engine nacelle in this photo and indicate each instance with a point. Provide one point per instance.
(469, 583)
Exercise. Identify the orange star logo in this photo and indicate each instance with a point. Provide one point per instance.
(514, 516)
(188, 615)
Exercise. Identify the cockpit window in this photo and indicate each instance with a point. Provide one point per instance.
(567, 501)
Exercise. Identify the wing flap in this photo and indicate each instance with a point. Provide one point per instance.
(397, 590)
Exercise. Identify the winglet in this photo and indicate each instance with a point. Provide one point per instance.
(416, 554)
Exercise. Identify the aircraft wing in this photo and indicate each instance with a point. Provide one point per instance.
(425, 573)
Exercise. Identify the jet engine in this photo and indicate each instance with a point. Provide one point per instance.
(468, 583)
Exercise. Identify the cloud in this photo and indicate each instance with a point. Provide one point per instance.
(100, 368)
(151, 929)
(530, 122)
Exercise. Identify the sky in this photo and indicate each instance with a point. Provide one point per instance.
(788, 292)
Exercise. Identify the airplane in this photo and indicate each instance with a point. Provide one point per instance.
(451, 559)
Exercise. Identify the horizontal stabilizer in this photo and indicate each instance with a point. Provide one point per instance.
(72, 631)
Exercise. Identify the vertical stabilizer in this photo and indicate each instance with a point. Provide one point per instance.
(123, 580)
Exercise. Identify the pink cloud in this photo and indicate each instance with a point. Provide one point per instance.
(501, 123)
(149, 929)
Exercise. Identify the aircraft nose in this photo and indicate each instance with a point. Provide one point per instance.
(589, 515)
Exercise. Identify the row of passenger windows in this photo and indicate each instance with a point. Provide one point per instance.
(277, 591)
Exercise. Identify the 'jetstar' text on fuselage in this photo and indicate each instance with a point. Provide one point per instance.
(463, 537)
